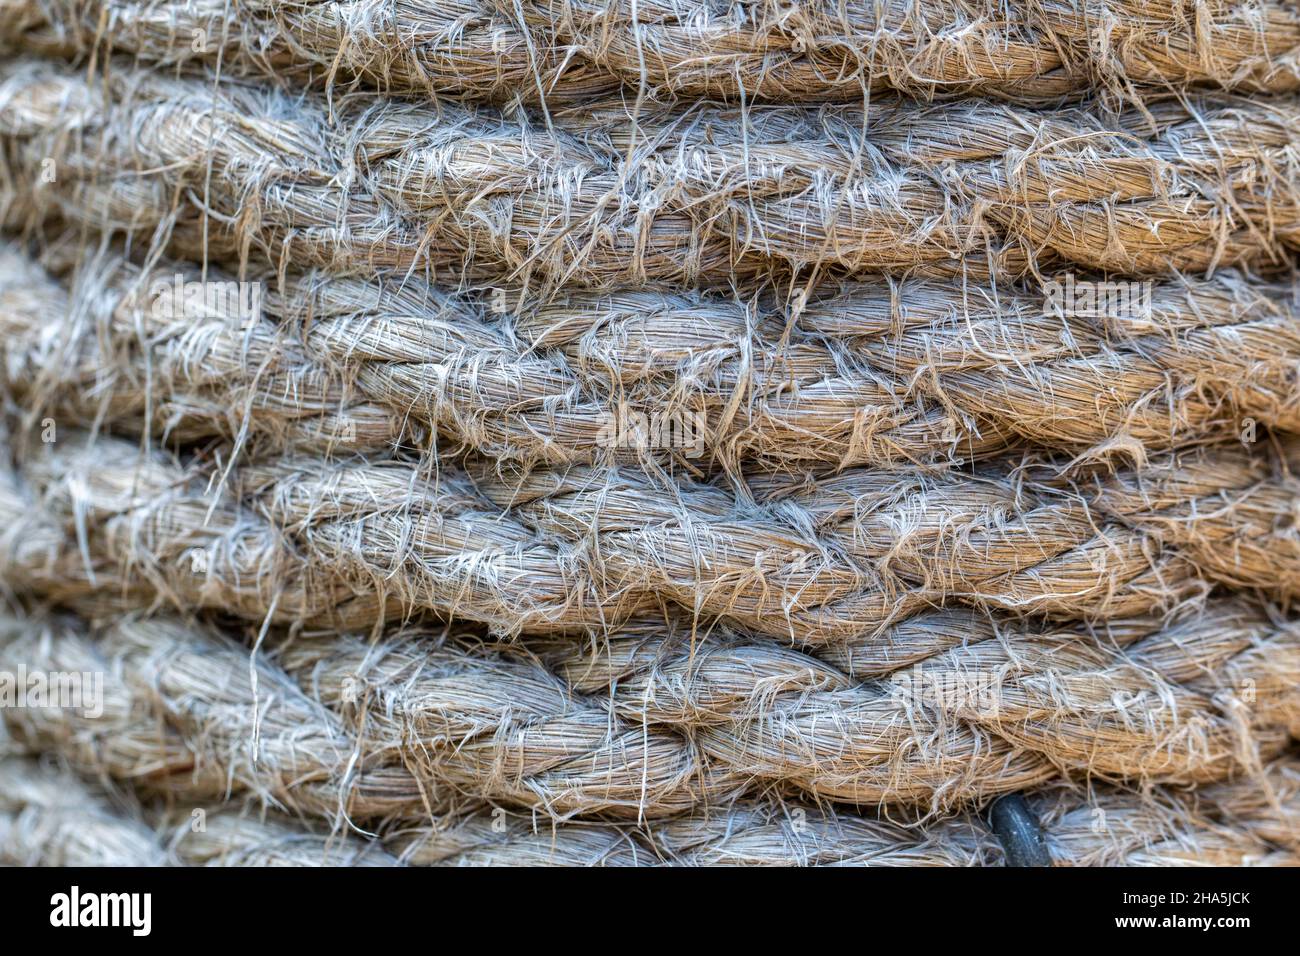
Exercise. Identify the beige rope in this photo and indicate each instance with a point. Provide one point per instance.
(913, 372)
(576, 50)
(705, 195)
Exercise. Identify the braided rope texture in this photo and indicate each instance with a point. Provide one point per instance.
(558, 432)
(570, 51)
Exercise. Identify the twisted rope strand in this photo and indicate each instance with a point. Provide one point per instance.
(821, 561)
(880, 374)
(705, 195)
(1104, 828)
(49, 817)
(651, 725)
(577, 50)
(181, 717)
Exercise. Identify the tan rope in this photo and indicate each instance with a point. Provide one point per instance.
(708, 195)
(576, 50)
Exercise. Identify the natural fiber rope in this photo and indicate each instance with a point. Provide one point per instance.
(696, 723)
(181, 717)
(570, 51)
(942, 537)
(806, 51)
(758, 833)
(195, 685)
(879, 374)
(1103, 829)
(105, 354)
(233, 838)
(51, 817)
(703, 195)
(777, 714)
(824, 561)
(253, 571)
